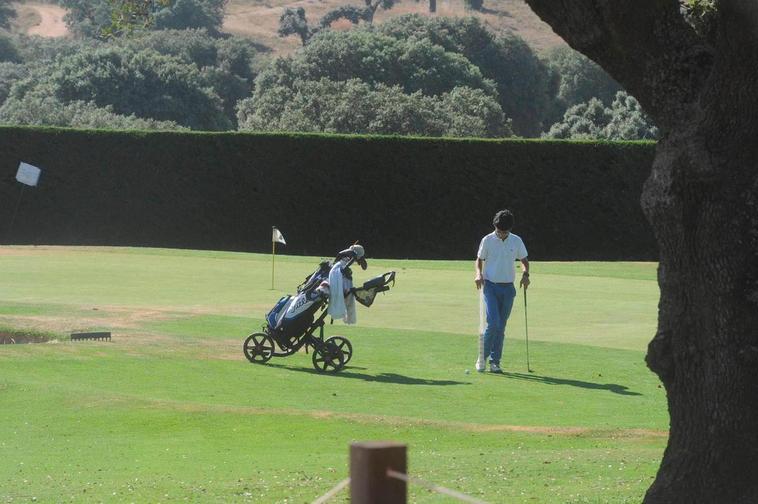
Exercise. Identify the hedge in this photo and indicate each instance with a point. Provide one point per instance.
(401, 197)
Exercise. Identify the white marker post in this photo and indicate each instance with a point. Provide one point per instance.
(276, 237)
(27, 175)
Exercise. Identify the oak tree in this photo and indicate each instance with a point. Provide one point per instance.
(695, 72)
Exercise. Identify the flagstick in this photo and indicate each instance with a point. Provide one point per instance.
(273, 255)
(13, 218)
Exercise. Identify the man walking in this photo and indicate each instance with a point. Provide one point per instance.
(495, 274)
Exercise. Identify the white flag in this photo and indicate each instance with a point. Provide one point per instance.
(28, 174)
(277, 236)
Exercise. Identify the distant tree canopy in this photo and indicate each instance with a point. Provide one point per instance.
(354, 106)
(10, 73)
(183, 14)
(294, 22)
(579, 80)
(144, 83)
(384, 73)
(353, 14)
(112, 18)
(428, 55)
(225, 64)
(590, 104)
(41, 50)
(415, 64)
(623, 120)
(8, 51)
(46, 110)
(464, 80)
(525, 89)
(7, 13)
(183, 78)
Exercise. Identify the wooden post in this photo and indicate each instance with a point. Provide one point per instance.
(369, 462)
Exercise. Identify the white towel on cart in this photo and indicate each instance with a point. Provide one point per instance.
(341, 307)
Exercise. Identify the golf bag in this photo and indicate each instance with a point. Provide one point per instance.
(293, 321)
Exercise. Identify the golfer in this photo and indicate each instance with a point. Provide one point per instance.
(495, 274)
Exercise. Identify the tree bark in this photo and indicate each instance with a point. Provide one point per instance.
(702, 202)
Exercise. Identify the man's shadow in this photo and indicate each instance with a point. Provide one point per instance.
(348, 372)
(549, 380)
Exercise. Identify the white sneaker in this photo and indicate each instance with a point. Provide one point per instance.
(479, 366)
(494, 368)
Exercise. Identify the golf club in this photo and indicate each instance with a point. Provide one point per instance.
(526, 328)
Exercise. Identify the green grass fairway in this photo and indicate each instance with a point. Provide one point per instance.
(170, 410)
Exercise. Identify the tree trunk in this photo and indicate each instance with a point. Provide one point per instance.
(371, 7)
(702, 202)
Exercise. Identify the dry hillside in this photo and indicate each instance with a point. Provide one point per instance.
(36, 18)
(259, 19)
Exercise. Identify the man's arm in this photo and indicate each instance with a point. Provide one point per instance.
(525, 275)
(478, 278)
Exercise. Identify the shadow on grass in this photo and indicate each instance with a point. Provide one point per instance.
(380, 378)
(549, 380)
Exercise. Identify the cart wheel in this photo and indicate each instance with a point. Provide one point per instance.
(258, 348)
(344, 345)
(329, 358)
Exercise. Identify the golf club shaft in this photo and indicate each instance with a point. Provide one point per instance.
(526, 329)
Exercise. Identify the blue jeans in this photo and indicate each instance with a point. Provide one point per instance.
(498, 302)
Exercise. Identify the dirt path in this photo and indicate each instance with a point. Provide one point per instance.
(51, 20)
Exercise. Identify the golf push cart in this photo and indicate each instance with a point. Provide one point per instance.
(293, 322)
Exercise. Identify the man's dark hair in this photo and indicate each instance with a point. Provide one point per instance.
(503, 220)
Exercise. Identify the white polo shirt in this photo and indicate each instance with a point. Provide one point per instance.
(500, 257)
